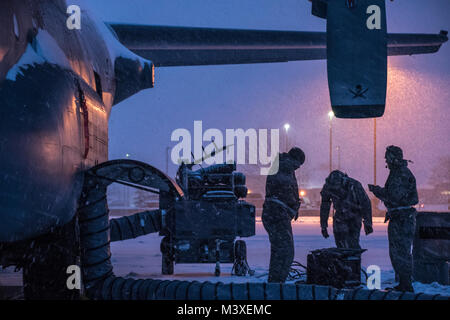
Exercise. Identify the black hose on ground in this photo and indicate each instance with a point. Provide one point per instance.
(297, 271)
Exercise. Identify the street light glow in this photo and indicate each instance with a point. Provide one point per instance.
(331, 115)
(287, 126)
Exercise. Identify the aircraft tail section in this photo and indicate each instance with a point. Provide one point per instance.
(357, 50)
(355, 44)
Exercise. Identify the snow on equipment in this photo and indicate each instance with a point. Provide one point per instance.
(203, 226)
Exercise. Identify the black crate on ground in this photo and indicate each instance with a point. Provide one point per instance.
(339, 268)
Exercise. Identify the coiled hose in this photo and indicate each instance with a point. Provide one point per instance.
(136, 225)
(101, 283)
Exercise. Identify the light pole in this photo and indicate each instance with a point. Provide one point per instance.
(338, 149)
(167, 160)
(375, 200)
(375, 151)
(331, 116)
(286, 128)
(127, 191)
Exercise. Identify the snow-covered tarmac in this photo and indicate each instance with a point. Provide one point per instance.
(141, 258)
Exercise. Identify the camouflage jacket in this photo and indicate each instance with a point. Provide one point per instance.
(400, 189)
(352, 202)
(283, 186)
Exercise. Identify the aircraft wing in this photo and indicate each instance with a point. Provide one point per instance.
(187, 46)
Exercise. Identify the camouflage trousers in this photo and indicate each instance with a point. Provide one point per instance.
(279, 228)
(401, 231)
(346, 233)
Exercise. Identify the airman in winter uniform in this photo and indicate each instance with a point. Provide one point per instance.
(280, 207)
(351, 207)
(399, 195)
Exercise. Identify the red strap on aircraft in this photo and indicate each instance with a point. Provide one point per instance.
(351, 3)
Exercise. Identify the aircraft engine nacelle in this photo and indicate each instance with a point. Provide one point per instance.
(356, 55)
